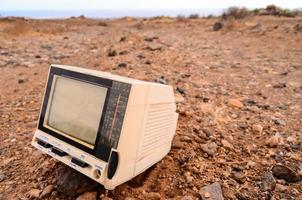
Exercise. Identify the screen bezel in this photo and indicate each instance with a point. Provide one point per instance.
(101, 151)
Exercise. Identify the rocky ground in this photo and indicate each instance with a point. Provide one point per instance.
(239, 93)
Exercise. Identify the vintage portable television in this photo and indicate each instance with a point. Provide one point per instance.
(108, 127)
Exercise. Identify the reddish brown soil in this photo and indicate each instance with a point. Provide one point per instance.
(257, 61)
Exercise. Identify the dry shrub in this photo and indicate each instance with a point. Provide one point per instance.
(235, 13)
(194, 16)
(181, 18)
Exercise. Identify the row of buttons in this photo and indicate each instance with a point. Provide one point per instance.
(61, 153)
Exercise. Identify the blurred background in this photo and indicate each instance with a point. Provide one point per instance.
(133, 8)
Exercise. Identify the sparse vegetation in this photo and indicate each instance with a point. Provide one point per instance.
(194, 16)
(240, 13)
(235, 12)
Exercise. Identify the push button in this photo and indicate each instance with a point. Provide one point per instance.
(79, 162)
(44, 144)
(59, 152)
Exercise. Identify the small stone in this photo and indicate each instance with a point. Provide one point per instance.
(112, 53)
(280, 85)
(289, 172)
(211, 192)
(217, 26)
(207, 195)
(47, 191)
(122, 65)
(250, 164)
(179, 98)
(2, 177)
(180, 90)
(209, 148)
(161, 80)
(281, 188)
(22, 80)
(278, 121)
(148, 62)
(227, 145)
(87, 196)
(185, 138)
(34, 193)
(152, 195)
(268, 183)
(235, 103)
(273, 141)
(257, 128)
(186, 198)
(154, 47)
(239, 176)
(188, 177)
(177, 145)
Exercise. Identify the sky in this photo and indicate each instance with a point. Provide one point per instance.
(140, 4)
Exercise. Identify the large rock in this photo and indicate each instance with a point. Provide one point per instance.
(211, 192)
(72, 182)
(288, 172)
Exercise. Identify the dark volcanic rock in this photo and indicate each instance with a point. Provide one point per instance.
(71, 182)
(289, 173)
(217, 26)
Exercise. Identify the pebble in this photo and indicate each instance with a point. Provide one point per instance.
(177, 145)
(22, 80)
(87, 196)
(273, 141)
(235, 103)
(112, 53)
(154, 47)
(268, 183)
(227, 145)
(186, 198)
(280, 85)
(257, 128)
(239, 176)
(161, 80)
(189, 177)
(152, 195)
(278, 121)
(250, 164)
(281, 188)
(209, 148)
(122, 65)
(34, 193)
(47, 191)
(2, 177)
(211, 192)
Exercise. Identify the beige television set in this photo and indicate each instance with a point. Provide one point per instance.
(108, 127)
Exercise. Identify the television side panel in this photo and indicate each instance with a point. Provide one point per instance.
(159, 126)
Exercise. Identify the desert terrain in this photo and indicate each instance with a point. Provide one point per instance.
(239, 94)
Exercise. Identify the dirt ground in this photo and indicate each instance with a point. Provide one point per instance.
(239, 93)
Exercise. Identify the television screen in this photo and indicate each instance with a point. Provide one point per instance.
(74, 109)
